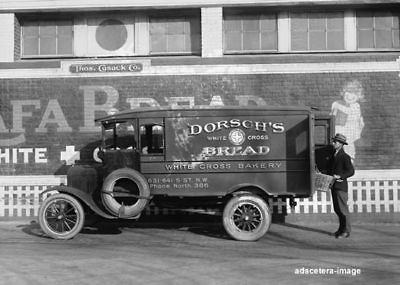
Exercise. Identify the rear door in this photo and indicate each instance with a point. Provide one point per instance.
(324, 131)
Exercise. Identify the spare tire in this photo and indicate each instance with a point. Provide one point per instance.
(125, 193)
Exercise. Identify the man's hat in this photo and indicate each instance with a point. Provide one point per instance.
(340, 138)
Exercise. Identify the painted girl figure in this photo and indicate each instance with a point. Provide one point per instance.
(347, 112)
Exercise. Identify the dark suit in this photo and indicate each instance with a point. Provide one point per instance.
(340, 164)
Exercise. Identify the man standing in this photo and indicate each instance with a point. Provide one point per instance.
(341, 168)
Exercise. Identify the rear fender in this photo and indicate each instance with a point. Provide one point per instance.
(242, 189)
(82, 196)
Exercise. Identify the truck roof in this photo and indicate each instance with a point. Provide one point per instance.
(167, 111)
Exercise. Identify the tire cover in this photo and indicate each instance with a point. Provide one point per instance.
(112, 205)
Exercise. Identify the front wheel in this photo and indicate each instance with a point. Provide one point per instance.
(61, 216)
(246, 217)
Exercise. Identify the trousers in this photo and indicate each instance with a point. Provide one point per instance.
(339, 199)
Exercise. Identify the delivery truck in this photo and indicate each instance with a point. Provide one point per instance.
(228, 157)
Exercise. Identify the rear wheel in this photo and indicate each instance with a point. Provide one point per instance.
(61, 216)
(246, 217)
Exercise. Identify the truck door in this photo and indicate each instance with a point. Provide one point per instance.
(119, 145)
(323, 133)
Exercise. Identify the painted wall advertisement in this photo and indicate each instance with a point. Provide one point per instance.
(48, 124)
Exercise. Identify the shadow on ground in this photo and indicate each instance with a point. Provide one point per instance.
(205, 225)
(200, 224)
(303, 228)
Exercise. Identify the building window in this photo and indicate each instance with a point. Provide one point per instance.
(47, 38)
(250, 33)
(377, 30)
(170, 35)
(317, 31)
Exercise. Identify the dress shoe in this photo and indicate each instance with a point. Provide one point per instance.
(343, 235)
(335, 234)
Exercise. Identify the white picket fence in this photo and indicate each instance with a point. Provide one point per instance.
(19, 195)
(375, 191)
(364, 197)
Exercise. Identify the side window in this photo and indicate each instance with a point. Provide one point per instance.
(120, 135)
(152, 138)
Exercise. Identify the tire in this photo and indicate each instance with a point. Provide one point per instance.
(125, 181)
(61, 216)
(246, 217)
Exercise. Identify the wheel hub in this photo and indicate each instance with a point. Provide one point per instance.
(61, 216)
(247, 217)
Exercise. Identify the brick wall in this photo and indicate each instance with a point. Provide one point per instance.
(40, 117)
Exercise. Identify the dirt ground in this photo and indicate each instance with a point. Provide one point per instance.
(200, 253)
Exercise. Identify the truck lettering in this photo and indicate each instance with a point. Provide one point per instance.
(260, 165)
(217, 138)
(179, 166)
(257, 137)
(195, 129)
(215, 166)
(208, 128)
(278, 128)
(235, 150)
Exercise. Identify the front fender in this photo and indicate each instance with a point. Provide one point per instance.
(82, 196)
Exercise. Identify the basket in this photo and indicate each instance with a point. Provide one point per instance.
(323, 182)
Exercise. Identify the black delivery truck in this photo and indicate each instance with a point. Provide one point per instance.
(235, 158)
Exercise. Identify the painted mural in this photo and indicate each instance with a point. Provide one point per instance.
(48, 124)
(348, 117)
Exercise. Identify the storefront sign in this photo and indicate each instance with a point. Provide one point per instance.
(106, 68)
